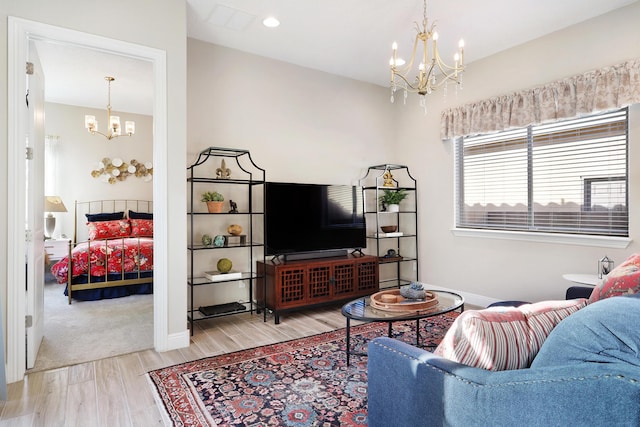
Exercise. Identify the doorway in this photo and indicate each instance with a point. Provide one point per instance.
(21, 32)
(75, 83)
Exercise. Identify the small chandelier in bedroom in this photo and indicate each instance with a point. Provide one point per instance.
(432, 71)
(115, 130)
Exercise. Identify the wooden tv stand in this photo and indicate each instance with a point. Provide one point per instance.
(300, 284)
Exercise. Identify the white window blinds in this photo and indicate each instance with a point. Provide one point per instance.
(564, 177)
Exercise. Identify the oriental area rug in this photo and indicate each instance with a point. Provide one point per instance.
(302, 382)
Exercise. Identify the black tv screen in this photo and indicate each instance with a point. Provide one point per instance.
(313, 217)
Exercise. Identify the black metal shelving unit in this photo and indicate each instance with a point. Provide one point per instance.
(248, 181)
(403, 268)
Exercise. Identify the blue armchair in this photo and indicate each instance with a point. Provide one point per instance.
(586, 373)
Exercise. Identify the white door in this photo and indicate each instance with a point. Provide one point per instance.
(34, 236)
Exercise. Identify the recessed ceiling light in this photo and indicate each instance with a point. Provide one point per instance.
(271, 22)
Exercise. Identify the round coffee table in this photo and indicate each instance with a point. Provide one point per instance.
(361, 309)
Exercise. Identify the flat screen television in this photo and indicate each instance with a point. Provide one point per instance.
(312, 218)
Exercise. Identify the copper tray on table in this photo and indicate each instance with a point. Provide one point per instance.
(391, 300)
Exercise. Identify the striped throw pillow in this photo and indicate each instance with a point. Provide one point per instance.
(503, 338)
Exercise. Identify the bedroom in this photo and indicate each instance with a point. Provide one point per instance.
(71, 156)
(498, 267)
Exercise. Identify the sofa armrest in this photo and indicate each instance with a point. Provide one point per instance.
(575, 292)
(408, 386)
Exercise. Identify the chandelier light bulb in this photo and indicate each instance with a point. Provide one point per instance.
(461, 43)
(130, 127)
(435, 36)
(115, 125)
(90, 123)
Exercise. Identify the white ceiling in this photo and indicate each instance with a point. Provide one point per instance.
(351, 38)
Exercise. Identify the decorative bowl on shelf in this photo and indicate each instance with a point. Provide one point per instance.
(389, 228)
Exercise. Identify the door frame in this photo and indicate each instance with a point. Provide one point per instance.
(20, 31)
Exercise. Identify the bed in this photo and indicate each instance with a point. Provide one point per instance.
(111, 254)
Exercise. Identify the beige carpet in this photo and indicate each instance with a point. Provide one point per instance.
(92, 330)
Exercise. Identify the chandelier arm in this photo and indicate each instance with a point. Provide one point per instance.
(444, 66)
(408, 85)
(403, 70)
(109, 137)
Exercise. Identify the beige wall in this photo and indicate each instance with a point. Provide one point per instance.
(300, 125)
(504, 269)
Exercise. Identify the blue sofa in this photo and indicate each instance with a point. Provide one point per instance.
(587, 373)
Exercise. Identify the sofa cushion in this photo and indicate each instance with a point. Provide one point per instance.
(622, 280)
(604, 332)
(502, 338)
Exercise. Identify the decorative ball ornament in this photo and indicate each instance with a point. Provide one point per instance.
(207, 240)
(218, 241)
(234, 229)
(224, 265)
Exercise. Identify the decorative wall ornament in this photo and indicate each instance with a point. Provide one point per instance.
(115, 170)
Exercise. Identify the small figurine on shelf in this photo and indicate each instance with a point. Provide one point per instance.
(388, 179)
(219, 241)
(234, 206)
(234, 230)
(207, 240)
(223, 172)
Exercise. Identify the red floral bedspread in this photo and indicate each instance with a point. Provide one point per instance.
(106, 256)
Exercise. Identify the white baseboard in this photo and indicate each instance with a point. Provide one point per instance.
(177, 341)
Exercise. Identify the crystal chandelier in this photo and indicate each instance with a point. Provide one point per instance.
(115, 130)
(433, 72)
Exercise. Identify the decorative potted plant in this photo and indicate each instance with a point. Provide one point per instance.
(391, 199)
(214, 200)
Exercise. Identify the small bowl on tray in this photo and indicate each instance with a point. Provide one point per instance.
(389, 228)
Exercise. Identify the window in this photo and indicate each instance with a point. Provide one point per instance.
(564, 177)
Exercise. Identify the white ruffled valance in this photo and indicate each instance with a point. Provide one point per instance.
(594, 91)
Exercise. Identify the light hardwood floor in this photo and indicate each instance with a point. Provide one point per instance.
(115, 391)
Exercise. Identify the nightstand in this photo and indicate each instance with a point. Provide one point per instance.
(583, 279)
(56, 248)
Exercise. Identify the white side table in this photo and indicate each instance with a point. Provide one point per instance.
(582, 279)
(56, 248)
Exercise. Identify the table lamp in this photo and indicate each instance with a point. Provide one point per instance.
(52, 204)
